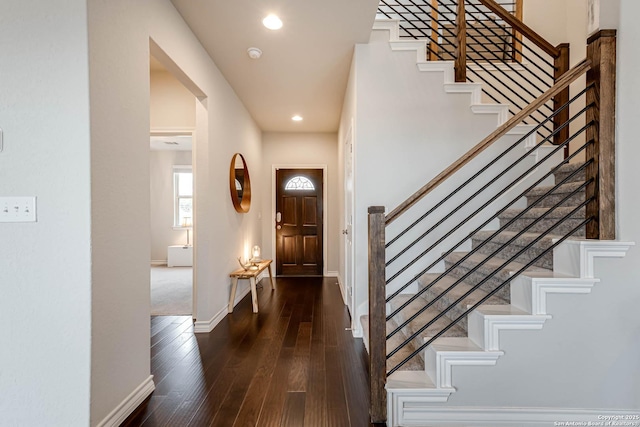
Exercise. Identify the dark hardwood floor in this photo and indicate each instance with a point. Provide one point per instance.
(292, 364)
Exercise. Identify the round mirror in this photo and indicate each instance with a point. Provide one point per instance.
(240, 184)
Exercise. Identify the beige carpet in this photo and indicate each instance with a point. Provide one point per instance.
(171, 290)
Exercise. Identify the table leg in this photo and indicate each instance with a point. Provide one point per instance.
(254, 294)
(271, 278)
(234, 286)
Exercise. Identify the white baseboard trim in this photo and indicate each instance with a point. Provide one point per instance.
(333, 274)
(414, 415)
(340, 286)
(155, 262)
(128, 405)
(206, 326)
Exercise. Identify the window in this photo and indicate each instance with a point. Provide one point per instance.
(299, 183)
(183, 196)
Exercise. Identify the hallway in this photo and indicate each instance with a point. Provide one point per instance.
(292, 364)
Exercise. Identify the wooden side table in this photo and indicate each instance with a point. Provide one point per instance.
(250, 274)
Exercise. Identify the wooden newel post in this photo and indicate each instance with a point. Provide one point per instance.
(433, 37)
(516, 42)
(461, 44)
(377, 315)
(561, 66)
(601, 51)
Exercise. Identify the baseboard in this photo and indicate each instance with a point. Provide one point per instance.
(128, 405)
(333, 274)
(342, 289)
(158, 262)
(491, 417)
(206, 326)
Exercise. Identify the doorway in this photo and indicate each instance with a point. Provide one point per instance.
(171, 223)
(172, 193)
(299, 222)
(349, 185)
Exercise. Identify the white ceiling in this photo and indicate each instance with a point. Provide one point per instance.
(170, 143)
(305, 65)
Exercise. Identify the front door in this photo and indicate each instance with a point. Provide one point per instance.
(299, 222)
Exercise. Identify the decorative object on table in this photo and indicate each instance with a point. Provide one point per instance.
(246, 266)
(240, 184)
(187, 223)
(255, 252)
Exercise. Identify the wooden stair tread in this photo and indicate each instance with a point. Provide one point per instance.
(523, 240)
(566, 188)
(492, 263)
(558, 213)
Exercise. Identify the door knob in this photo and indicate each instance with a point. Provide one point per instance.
(279, 227)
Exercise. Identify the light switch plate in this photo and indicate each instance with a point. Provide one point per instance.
(17, 209)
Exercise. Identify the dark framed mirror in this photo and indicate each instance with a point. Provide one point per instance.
(240, 184)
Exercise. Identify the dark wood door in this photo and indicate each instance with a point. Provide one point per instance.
(299, 222)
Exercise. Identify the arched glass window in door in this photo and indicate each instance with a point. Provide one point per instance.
(299, 183)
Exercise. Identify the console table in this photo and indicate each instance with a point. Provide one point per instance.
(250, 274)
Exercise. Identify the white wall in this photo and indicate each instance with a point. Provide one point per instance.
(172, 105)
(407, 131)
(301, 149)
(563, 22)
(117, 255)
(119, 97)
(45, 267)
(120, 34)
(163, 233)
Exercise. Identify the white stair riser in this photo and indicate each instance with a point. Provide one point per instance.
(484, 330)
(530, 293)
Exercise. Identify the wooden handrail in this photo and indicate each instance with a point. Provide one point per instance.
(560, 85)
(521, 27)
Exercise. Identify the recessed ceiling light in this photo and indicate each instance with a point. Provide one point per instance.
(272, 22)
(296, 118)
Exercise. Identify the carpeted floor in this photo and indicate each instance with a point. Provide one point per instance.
(171, 290)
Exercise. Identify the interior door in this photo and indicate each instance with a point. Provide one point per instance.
(348, 222)
(299, 222)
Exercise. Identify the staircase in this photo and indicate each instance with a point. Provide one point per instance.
(486, 265)
(500, 275)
